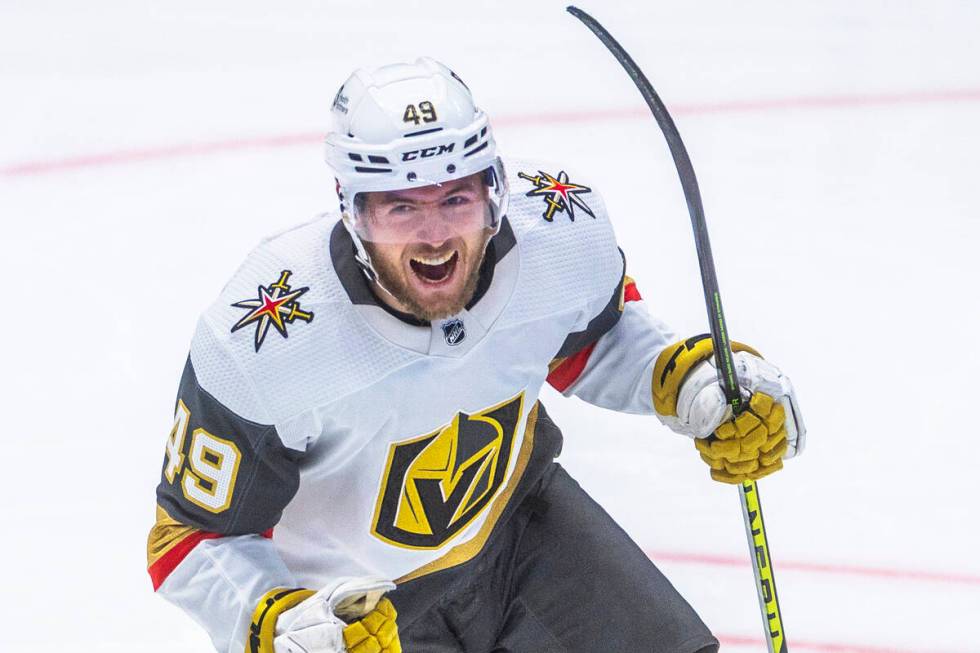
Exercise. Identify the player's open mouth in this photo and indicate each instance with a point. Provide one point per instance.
(435, 269)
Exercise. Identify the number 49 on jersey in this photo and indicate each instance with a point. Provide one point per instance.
(207, 473)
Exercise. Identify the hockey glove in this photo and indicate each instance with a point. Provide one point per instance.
(689, 400)
(347, 616)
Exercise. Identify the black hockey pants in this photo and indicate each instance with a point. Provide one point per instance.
(558, 576)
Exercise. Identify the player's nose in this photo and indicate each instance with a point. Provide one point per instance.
(434, 229)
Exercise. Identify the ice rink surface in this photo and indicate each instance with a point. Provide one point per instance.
(146, 147)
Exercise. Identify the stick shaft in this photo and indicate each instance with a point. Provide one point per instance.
(765, 579)
(692, 193)
(749, 494)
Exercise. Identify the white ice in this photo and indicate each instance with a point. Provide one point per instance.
(846, 236)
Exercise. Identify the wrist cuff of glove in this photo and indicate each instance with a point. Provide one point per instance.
(262, 632)
(673, 365)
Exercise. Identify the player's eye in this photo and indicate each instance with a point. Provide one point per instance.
(457, 200)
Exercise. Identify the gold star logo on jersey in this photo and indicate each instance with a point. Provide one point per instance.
(560, 195)
(437, 484)
(275, 306)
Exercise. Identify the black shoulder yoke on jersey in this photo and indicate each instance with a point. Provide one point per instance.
(259, 484)
(602, 323)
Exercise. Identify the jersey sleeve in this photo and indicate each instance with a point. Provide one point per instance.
(610, 363)
(225, 480)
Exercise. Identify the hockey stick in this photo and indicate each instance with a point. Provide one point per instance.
(751, 505)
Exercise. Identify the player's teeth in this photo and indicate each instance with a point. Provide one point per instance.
(434, 261)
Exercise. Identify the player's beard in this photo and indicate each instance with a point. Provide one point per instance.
(391, 276)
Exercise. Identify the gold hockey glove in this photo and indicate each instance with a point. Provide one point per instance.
(688, 398)
(347, 616)
(751, 446)
(375, 633)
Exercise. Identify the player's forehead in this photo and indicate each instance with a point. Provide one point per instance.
(471, 183)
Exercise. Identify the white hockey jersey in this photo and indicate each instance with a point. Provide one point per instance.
(317, 434)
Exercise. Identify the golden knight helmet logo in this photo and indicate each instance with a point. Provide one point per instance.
(437, 484)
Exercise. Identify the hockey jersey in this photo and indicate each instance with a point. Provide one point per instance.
(317, 434)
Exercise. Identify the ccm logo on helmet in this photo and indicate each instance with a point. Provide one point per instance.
(426, 152)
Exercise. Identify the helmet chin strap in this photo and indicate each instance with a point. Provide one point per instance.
(363, 259)
(361, 255)
(377, 281)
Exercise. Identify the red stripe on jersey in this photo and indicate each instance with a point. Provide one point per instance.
(630, 293)
(169, 561)
(163, 567)
(565, 374)
(571, 368)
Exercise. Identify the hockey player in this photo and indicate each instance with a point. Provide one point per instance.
(359, 461)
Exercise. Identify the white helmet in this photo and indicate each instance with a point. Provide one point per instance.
(406, 126)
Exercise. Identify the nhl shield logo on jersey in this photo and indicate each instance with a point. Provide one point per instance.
(560, 195)
(276, 305)
(437, 484)
(454, 330)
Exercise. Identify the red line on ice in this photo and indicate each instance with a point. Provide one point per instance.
(817, 567)
(187, 150)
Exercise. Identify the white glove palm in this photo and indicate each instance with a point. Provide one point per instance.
(317, 624)
(702, 407)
